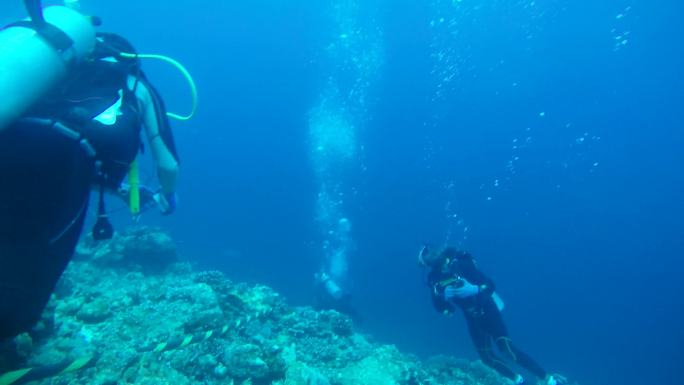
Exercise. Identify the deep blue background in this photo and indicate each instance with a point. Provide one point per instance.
(587, 258)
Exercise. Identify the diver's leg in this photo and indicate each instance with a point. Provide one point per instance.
(495, 325)
(485, 348)
(521, 358)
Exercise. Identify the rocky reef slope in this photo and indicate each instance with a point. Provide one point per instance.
(128, 312)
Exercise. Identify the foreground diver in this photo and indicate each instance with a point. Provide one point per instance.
(455, 280)
(82, 133)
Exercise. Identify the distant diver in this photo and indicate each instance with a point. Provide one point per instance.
(329, 295)
(74, 104)
(455, 281)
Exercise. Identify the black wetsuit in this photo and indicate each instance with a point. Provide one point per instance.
(45, 180)
(484, 320)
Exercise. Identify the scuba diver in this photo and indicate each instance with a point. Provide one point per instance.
(455, 281)
(76, 103)
(329, 295)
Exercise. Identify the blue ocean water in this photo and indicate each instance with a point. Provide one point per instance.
(545, 137)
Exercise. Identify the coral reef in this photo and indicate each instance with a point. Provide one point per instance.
(138, 247)
(143, 318)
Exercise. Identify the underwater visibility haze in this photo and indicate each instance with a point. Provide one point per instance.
(338, 136)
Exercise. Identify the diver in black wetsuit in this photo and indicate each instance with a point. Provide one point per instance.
(455, 281)
(84, 133)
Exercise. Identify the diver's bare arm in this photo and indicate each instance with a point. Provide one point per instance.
(167, 166)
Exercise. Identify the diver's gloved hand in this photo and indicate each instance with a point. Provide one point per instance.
(146, 196)
(463, 291)
(166, 202)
